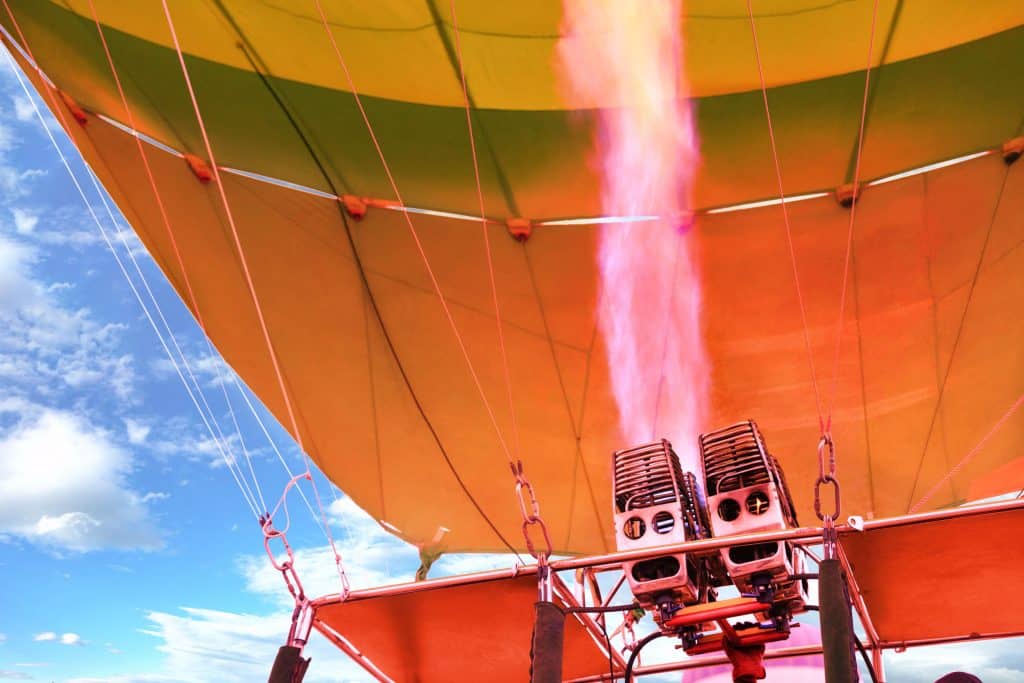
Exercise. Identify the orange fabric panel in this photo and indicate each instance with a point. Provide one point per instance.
(470, 632)
(943, 578)
(916, 245)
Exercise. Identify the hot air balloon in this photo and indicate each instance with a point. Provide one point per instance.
(388, 221)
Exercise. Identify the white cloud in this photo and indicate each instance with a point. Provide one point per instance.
(45, 346)
(7, 674)
(137, 431)
(3, 637)
(17, 290)
(209, 370)
(208, 646)
(63, 639)
(24, 221)
(8, 139)
(370, 555)
(64, 485)
(71, 639)
(23, 110)
(995, 661)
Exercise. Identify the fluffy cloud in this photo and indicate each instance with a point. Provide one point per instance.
(45, 346)
(63, 638)
(24, 221)
(203, 645)
(71, 639)
(15, 675)
(370, 555)
(63, 484)
(996, 661)
(137, 431)
(209, 370)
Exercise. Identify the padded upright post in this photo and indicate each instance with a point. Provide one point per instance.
(836, 624)
(546, 649)
(289, 666)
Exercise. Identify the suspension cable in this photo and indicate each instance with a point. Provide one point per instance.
(158, 197)
(252, 288)
(531, 516)
(853, 215)
(970, 455)
(785, 219)
(483, 228)
(959, 334)
(250, 501)
(174, 341)
(222, 445)
(415, 235)
(530, 513)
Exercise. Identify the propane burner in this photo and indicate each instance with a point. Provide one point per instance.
(657, 503)
(747, 492)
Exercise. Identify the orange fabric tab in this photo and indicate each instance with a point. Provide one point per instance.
(199, 167)
(74, 108)
(355, 206)
(520, 228)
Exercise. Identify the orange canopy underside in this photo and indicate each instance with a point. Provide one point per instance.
(916, 248)
(945, 579)
(935, 297)
(472, 632)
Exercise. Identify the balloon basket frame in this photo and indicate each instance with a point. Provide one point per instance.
(868, 550)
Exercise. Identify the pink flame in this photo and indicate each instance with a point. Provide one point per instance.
(626, 57)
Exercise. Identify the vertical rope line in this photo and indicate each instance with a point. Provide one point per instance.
(262, 72)
(173, 338)
(412, 229)
(110, 245)
(853, 216)
(174, 245)
(574, 424)
(251, 286)
(277, 451)
(959, 334)
(785, 218)
(483, 228)
(970, 455)
(934, 301)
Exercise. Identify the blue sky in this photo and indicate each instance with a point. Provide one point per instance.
(127, 552)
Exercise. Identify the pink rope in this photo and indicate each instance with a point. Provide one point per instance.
(174, 242)
(58, 111)
(249, 281)
(412, 231)
(970, 456)
(145, 163)
(785, 218)
(483, 227)
(853, 215)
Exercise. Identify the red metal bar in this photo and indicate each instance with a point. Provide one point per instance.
(358, 657)
(715, 611)
(588, 622)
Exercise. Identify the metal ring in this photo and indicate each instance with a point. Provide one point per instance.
(536, 521)
(826, 479)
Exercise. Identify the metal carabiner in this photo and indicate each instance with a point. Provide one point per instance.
(827, 479)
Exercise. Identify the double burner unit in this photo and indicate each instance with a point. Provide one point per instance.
(740, 489)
